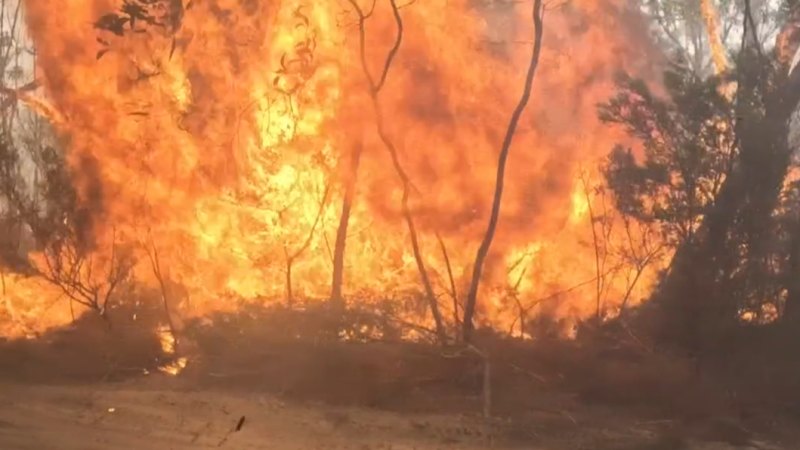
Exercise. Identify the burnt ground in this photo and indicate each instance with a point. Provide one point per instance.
(291, 386)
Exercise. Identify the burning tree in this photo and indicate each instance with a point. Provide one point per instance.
(260, 182)
(374, 87)
(713, 171)
(483, 250)
(39, 199)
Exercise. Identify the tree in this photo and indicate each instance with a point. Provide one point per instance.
(374, 87)
(725, 250)
(688, 147)
(691, 29)
(38, 196)
(505, 148)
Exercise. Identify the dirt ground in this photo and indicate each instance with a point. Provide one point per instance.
(248, 385)
(144, 416)
(158, 413)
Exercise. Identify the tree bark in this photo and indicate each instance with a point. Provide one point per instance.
(483, 250)
(337, 299)
(374, 87)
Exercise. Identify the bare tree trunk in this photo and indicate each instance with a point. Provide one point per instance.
(291, 258)
(155, 264)
(441, 332)
(12, 312)
(453, 290)
(341, 233)
(289, 293)
(599, 278)
(374, 88)
(483, 250)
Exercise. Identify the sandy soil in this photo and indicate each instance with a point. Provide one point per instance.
(160, 413)
(247, 386)
(141, 416)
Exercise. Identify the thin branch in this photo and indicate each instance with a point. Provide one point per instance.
(393, 52)
(317, 219)
(451, 279)
(483, 250)
(748, 16)
(374, 89)
(155, 264)
(291, 258)
(596, 242)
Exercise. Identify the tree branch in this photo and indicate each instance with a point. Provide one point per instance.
(483, 250)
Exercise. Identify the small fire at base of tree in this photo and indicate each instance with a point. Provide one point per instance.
(168, 343)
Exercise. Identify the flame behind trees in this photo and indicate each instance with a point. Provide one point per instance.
(233, 135)
(486, 243)
(718, 52)
(714, 177)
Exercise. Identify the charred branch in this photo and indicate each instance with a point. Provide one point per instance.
(292, 257)
(341, 232)
(483, 250)
(75, 272)
(155, 265)
(375, 88)
(453, 290)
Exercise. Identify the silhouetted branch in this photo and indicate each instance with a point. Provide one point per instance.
(374, 89)
(290, 258)
(451, 279)
(483, 250)
(155, 264)
(71, 269)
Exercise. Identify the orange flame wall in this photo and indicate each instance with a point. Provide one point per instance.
(217, 145)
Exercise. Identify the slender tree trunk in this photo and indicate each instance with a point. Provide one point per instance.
(289, 293)
(292, 257)
(451, 279)
(599, 278)
(344, 220)
(441, 332)
(483, 250)
(156, 267)
(374, 87)
(430, 295)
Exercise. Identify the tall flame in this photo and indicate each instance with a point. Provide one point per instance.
(222, 141)
(718, 54)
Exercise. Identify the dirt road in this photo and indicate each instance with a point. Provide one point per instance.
(157, 413)
(143, 418)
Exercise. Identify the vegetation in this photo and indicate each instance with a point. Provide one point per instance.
(707, 178)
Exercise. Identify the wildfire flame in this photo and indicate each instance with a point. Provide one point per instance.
(221, 138)
(718, 53)
(168, 343)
